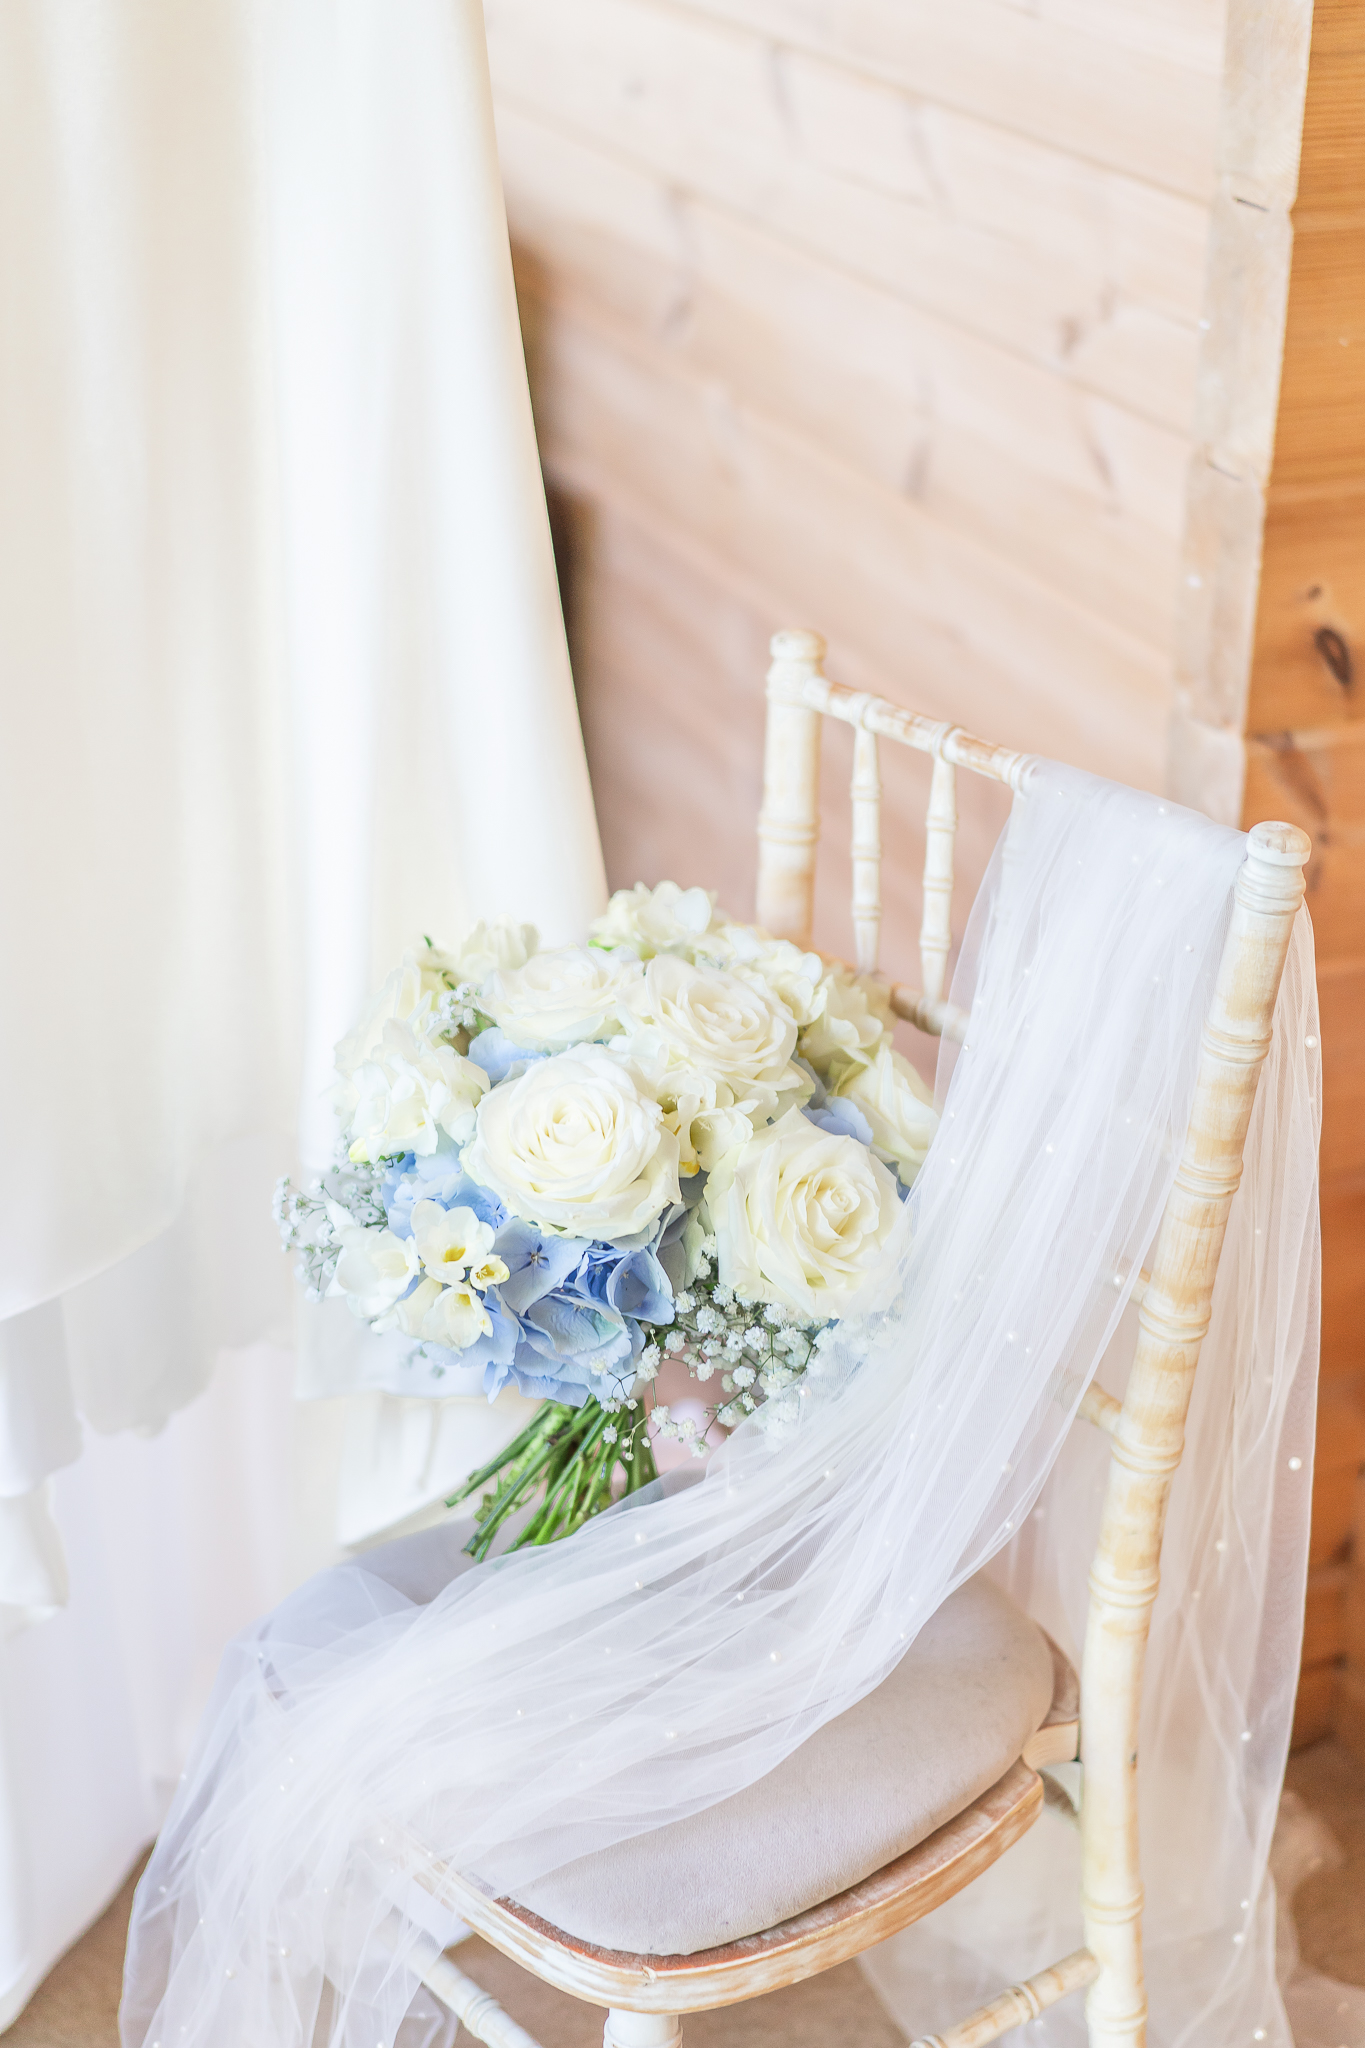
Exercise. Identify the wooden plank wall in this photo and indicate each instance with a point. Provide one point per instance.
(1306, 761)
(881, 317)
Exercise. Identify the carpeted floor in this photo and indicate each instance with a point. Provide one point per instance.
(78, 2005)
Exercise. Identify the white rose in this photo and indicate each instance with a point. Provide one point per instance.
(711, 1022)
(453, 1316)
(666, 919)
(409, 996)
(493, 948)
(407, 1093)
(852, 1020)
(895, 1102)
(560, 998)
(374, 1269)
(577, 1146)
(803, 1218)
(796, 977)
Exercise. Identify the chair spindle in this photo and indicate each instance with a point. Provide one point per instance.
(789, 821)
(867, 850)
(940, 832)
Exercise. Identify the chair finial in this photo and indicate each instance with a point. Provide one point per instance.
(1283, 844)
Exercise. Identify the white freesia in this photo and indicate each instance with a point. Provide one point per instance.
(577, 1146)
(453, 1316)
(560, 998)
(374, 1269)
(665, 919)
(802, 1216)
(895, 1102)
(494, 947)
(409, 996)
(407, 1093)
(853, 1019)
(449, 1241)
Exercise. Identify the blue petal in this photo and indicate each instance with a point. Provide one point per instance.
(440, 1177)
(500, 1057)
(841, 1117)
(535, 1263)
(639, 1287)
(523, 1372)
(559, 1328)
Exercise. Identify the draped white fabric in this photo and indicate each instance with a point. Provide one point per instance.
(679, 1646)
(286, 685)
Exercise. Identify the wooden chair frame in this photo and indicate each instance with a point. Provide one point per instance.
(646, 1994)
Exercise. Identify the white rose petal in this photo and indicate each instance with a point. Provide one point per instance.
(853, 1019)
(374, 1269)
(449, 1240)
(560, 998)
(494, 948)
(707, 1022)
(577, 1146)
(666, 919)
(895, 1102)
(796, 977)
(407, 1093)
(802, 1218)
(409, 996)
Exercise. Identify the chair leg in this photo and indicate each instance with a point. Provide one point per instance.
(642, 2030)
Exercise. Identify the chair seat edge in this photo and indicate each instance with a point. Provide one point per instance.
(840, 1927)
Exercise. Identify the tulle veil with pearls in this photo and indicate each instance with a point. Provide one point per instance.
(679, 1646)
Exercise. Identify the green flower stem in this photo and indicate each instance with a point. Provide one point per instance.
(564, 1458)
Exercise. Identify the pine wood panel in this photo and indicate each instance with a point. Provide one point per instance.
(1349, 1701)
(1140, 96)
(1317, 780)
(1343, 1280)
(1341, 997)
(1306, 755)
(1315, 1707)
(1075, 490)
(1324, 1616)
(717, 112)
(1312, 587)
(1332, 169)
(1320, 435)
(807, 537)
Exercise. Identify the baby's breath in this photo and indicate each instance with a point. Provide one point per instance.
(458, 1014)
(308, 1218)
(759, 1349)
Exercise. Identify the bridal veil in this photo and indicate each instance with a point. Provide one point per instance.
(556, 1701)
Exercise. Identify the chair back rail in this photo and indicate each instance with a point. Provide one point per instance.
(1146, 1429)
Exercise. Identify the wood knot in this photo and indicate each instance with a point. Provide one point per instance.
(1336, 655)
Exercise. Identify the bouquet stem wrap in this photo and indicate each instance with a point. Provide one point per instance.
(675, 1649)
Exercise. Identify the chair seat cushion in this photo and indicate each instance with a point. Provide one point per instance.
(940, 1730)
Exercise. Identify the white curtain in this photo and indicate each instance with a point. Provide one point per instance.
(285, 685)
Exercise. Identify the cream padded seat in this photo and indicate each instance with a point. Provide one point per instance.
(949, 1721)
(952, 1717)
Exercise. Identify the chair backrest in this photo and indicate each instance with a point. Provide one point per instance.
(1146, 1429)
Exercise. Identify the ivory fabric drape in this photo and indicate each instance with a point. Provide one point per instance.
(285, 685)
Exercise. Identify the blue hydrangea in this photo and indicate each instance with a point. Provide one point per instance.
(439, 1177)
(568, 1320)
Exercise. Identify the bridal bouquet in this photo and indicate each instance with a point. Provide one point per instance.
(562, 1168)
